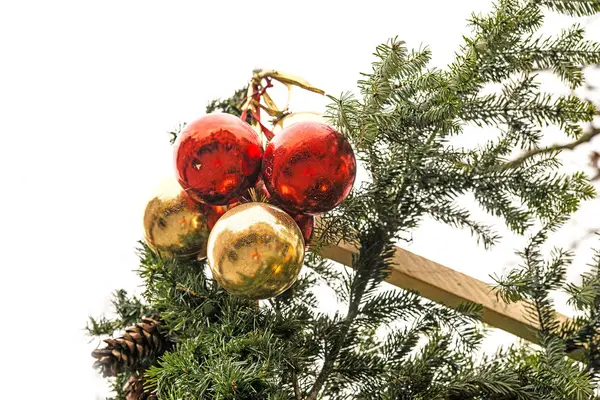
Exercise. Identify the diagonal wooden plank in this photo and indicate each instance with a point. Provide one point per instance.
(447, 286)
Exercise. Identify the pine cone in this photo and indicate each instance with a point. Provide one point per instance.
(140, 345)
(134, 389)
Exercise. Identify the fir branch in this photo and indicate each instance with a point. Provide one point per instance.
(231, 105)
(175, 132)
(296, 386)
(361, 265)
(400, 124)
(577, 8)
(585, 138)
(128, 311)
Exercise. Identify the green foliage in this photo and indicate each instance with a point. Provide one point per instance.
(582, 335)
(117, 386)
(231, 105)
(129, 311)
(221, 365)
(393, 344)
(571, 7)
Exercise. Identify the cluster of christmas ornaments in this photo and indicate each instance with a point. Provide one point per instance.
(254, 249)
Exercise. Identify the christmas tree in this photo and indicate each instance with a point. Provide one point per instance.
(189, 338)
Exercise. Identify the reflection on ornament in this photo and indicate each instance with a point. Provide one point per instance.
(217, 158)
(309, 168)
(255, 251)
(174, 224)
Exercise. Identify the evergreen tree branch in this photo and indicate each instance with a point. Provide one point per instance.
(572, 7)
(400, 125)
(585, 138)
(296, 386)
(344, 327)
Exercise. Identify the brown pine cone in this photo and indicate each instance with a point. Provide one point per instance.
(134, 389)
(140, 344)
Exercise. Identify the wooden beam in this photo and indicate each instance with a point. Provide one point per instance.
(449, 287)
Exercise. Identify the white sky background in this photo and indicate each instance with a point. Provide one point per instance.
(88, 90)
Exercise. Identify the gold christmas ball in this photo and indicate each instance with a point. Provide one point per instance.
(255, 251)
(174, 224)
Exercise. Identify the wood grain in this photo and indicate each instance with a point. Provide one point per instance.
(449, 287)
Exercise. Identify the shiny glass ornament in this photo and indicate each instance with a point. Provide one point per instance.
(309, 168)
(255, 251)
(217, 158)
(174, 224)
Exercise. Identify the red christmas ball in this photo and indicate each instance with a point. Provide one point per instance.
(306, 223)
(217, 158)
(309, 168)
